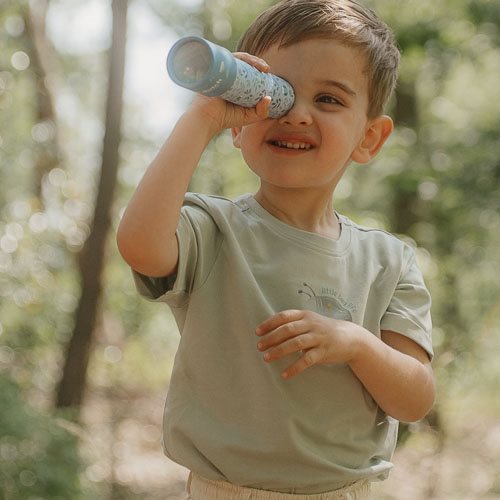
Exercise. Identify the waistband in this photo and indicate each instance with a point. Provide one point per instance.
(200, 488)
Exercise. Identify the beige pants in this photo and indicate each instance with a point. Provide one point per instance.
(200, 488)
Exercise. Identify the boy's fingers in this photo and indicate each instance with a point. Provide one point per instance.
(299, 343)
(285, 332)
(310, 358)
(255, 61)
(277, 320)
(262, 107)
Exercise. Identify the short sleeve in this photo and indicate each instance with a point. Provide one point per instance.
(199, 242)
(409, 309)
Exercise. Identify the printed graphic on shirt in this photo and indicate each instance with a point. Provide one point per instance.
(328, 302)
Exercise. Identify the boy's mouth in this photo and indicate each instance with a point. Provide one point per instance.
(291, 145)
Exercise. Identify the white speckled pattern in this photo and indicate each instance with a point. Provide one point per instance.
(251, 85)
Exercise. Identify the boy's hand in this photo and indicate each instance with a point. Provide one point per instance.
(322, 340)
(221, 114)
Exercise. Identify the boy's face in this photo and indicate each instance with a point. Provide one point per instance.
(327, 127)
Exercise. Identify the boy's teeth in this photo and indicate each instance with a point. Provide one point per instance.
(293, 145)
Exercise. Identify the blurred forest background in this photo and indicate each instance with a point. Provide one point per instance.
(84, 362)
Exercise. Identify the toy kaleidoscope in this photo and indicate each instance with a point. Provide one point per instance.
(202, 66)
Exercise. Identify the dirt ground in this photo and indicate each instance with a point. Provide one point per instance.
(123, 448)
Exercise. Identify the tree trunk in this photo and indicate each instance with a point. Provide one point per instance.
(405, 192)
(73, 381)
(41, 52)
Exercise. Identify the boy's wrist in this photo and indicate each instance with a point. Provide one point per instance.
(360, 338)
(210, 113)
(203, 128)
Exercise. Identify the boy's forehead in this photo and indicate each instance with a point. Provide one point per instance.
(319, 59)
(317, 51)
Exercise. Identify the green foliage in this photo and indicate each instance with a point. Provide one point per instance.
(38, 456)
(437, 181)
(222, 21)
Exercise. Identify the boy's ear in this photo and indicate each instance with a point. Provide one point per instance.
(376, 133)
(236, 133)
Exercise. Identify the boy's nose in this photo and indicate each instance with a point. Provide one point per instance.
(299, 114)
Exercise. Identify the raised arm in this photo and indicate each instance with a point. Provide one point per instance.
(146, 234)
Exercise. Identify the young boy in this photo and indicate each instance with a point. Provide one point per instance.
(304, 337)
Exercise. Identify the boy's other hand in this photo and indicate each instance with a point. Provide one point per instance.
(220, 114)
(322, 340)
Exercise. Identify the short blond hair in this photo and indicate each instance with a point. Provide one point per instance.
(346, 21)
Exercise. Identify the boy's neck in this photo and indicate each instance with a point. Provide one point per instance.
(304, 209)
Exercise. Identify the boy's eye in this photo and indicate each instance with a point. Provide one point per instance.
(328, 99)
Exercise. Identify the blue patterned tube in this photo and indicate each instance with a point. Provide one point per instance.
(202, 66)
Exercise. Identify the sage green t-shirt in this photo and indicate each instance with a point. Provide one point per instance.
(229, 415)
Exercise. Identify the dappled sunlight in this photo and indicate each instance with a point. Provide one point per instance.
(436, 184)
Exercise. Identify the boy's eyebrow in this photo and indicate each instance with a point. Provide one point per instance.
(340, 85)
